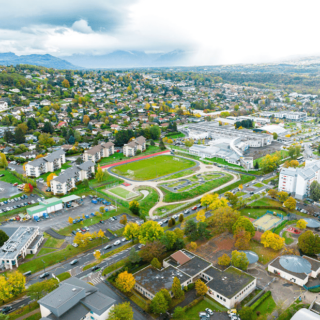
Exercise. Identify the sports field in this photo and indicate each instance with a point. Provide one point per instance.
(153, 167)
(266, 222)
(122, 192)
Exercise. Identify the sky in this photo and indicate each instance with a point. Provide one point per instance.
(211, 31)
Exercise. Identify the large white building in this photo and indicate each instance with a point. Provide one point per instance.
(286, 115)
(297, 181)
(49, 163)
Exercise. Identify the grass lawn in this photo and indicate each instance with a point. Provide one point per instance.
(36, 316)
(266, 202)
(149, 201)
(270, 179)
(63, 276)
(266, 307)
(258, 185)
(175, 135)
(287, 237)
(243, 180)
(161, 210)
(193, 313)
(265, 254)
(45, 251)
(57, 256)
(240, 194)
(153, 167)
(122, 192)
(52, 242)
(284, 154)
(257, 213)
(24, 310)
(9, 177)
(288, 314)
(179, 175)
(200, 189)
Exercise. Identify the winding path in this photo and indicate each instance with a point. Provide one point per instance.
(154, 184)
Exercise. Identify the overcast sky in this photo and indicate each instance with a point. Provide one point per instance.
(213, 31)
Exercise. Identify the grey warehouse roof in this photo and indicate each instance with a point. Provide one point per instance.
(312, 223)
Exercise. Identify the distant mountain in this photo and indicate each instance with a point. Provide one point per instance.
(44, 60)
(129, 59)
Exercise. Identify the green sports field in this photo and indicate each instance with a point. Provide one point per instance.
(123, 193)
(153, 167)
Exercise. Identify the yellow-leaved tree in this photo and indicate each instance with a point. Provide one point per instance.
(301, 224)
(100, 234)
(207, 199)
(99, 174)
(82, 239)
(70, 220)
(125, 281)
(201, 216)
(272, 240)
(97, 254)
(131, 231)
(50, 177)
(201, 287)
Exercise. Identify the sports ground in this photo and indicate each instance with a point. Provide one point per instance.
(152, 168)
(122, 193)
(266, 222)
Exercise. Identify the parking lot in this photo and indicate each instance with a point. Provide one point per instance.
(7, 190)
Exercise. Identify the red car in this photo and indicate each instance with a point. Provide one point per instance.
(83, 230)
(15, 184)
(195, 208)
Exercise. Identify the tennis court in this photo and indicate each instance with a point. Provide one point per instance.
(267, 221)
(123, 193)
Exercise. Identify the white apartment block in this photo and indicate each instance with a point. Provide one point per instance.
(49, 163)
(130, 149)
(286, 115)
(67, 180)
(98, 152)
(297, 181)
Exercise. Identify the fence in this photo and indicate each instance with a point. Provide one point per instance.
(310, 288)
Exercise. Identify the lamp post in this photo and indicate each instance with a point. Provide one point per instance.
(44, 266)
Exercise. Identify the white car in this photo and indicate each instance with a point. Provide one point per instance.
(123, 239)
(75, 245)
(175, 216)
(161, 223)
(209, 311)
(117, 243)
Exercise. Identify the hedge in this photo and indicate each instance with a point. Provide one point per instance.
(260, 300)
(269, 207)
(193, 303)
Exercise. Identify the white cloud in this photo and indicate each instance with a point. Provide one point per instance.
(81, 26)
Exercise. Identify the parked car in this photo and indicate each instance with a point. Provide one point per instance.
(83, 229)
(204, 315)
(95, 268)
(101, 221)
(194, 208)
(75, 245)
(6, 309)
(73, 232)
(44, 275)
(186, 211)
(74, 262)
(209, 311)
(107, 247)
(117, 243)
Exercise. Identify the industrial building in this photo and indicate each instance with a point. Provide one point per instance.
(286, 115)
(22, 241)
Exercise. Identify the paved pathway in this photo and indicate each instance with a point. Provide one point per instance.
(28, 314)
(154, 184)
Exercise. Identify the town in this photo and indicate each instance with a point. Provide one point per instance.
(156, 195)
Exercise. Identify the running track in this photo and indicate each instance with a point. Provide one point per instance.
(134, 159)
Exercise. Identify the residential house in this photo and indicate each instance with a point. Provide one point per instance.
(98, 152)
(130, 149)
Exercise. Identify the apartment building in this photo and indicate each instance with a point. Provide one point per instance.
(68, 179)
(286, 115)
(130, 149)
(49, 163)
(98, 152)
(297, 181)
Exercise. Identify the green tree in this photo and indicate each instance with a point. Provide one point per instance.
(159, 304)
(99, 174)
(155, 263)
(39, 289)
(239, 260)
(3, 238)
(176, 288)
(245, 224)
(3, 161)
(179, 313)
(122, 311)
(291, 152)
(152, 250)
(202, 231)
(150, 231)
(309, 243)
(161, 145)
(134, 256)
(275, 136)
(166, 295)
(19, 136)
(315, 191)
(246, 313)
(134, 207)
(155, 132)
(190, 229)
(169, 239)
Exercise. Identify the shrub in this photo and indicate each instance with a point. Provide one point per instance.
(191, 286)
(260, 300)
(193, 303)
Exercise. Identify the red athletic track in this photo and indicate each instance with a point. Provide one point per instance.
(134, 159)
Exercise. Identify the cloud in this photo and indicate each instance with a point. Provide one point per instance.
(81, 26)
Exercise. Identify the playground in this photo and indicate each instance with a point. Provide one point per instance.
(293, 230)
(268, 221)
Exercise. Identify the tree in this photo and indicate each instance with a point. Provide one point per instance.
(27, 188)
(275, 136)
(176, 288)
(239, 260)
(315, 190)
(19, 136)
(152, 250)
(169, 239)
(201, 215)
(99, 174)
(223, 219)
(291, 152)
(272, 240)
(218, 203)
(65, 83)
(101, 209)
(39, 289)
(150, 231)
(134, 207)
(179, 233)
(70, 220)
(131, 231)
(179, 313)
(125, 281)
(155, 132)
(134, 256)
(232, 198)
(16, 281)
(86, 119)
(122, 311)
(192, 246)
(272, 193)
(290, 203)
(82, 239)
(181, 218)
(50, 177)
(282, 196)
(245, 224)
(201, 288)
(207, 199)
(48, 127)
(190, 229)
(301, 224)
(4, 316)
(161, 145)
(224, 260)
(155, 263)
(5, 289)
(97, 254)
(202, 231)
(243, 238)
(246, 313)
(46, 140)
(124, 220)
(309, 243)
(3, 238)
(3, 161)
(100, 234)
(269, 163)
(159, 303)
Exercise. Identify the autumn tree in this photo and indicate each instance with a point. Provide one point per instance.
(65, 83)
(218, 203)
(166, 295)
(152, 250)
(223, 219)
(201, 288)
(272, 240)
(97, 254)
(301, 224)
(179, 233)
(207, 199)
(125, 281)
(242, 238)
(239, 260)
(282, 196)
(131, 231)
(224, 260)
(3, 161)
(192, 246)
(245, 224)
(27, 188)
(309, 243)
(201, 216)
(134, 207)
(269, 163)
(176, 288)
(122, 311)
(70, 220)
(150, 231)
(169, 239)
(86, 119)
(39, 289)
(290, 203)
(272, 193)
(82, 239)
(100, 234)
(124, 220)
(99, 174)
(16, 281)
(155, 263)
(50, 177)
